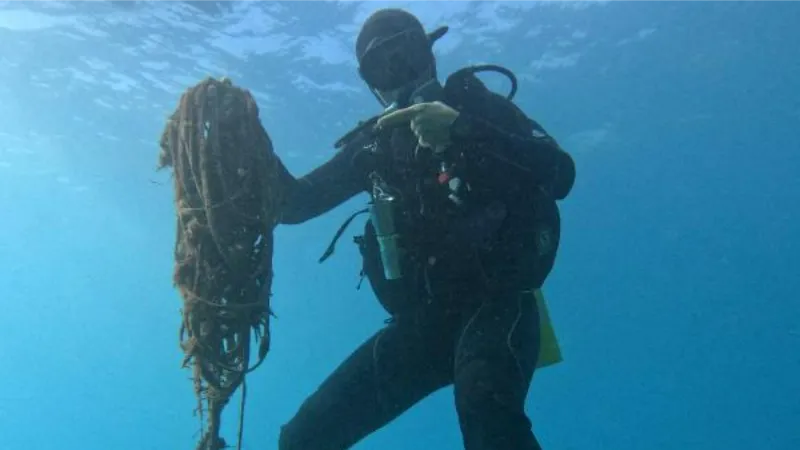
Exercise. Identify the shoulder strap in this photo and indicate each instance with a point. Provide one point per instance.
(465, 92)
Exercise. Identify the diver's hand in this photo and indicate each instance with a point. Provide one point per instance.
(430, 122)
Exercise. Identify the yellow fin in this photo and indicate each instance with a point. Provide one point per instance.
(549, 351)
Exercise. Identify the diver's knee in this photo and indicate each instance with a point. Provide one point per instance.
(482, 390)
(472, 390)
(491, 408)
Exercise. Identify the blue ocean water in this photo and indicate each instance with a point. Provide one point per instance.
(674, 297)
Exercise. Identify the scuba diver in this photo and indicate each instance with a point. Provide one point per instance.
(463, 228)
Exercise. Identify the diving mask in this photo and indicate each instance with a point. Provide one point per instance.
(390, 63)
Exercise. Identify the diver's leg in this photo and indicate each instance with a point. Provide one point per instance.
(385, 376)
(494, 363)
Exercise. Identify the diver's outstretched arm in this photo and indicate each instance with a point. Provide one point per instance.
(321, 190)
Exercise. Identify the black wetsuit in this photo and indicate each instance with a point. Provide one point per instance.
(464, 313)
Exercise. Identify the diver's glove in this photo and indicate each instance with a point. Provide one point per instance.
(430, 122)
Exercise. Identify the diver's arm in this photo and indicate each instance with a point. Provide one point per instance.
(321, 190)
(549, 165)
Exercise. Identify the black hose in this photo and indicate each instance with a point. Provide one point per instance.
(495, 68)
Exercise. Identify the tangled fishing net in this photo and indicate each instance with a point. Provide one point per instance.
(226, 197)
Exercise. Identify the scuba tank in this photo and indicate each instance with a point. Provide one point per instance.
(382, 214)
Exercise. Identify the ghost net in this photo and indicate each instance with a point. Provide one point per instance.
(226, 197)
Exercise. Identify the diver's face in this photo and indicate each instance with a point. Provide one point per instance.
(392, 65)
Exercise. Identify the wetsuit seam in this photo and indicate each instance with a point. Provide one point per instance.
(510, 336)
(466, 328)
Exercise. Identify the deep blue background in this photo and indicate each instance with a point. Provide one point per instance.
(675, 292)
